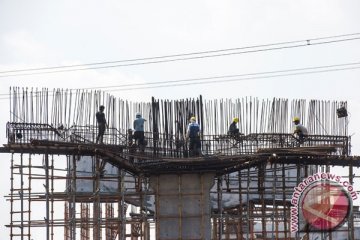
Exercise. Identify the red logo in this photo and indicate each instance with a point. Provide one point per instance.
(325, 205)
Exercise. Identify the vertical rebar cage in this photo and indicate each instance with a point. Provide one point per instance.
(83, 196)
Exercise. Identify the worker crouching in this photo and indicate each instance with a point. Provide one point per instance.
(300, 132)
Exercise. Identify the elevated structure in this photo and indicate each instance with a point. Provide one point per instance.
(239, 188)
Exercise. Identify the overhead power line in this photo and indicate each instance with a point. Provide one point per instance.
(236, 79)
(224, 78)
(182, 57)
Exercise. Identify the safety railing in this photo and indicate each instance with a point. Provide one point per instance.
(173, 146)
(26, 132)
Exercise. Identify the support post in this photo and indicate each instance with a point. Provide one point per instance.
(182, 204)
(47, 221)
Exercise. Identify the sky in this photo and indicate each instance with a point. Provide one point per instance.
(40, 34)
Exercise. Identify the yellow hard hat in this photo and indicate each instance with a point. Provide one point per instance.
(193, 119)
(296, 119)
(236, 120)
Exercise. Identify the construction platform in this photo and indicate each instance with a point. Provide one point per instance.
(248, 157)
(220, 153)
(65, 186)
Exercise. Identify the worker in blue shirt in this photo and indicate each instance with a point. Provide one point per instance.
(139, 130)
(193, 134)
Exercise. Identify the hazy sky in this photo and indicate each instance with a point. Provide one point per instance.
(35, 34)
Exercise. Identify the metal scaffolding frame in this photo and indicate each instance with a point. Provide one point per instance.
(47, 140)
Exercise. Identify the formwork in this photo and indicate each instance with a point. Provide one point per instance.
(64, 186)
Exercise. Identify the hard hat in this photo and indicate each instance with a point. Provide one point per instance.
(193, 119)
(236, 119)
(138, 115)
(296, 119)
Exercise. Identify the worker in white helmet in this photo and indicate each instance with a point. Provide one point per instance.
(193, 134)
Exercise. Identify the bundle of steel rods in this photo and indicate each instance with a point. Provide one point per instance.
(169, 118)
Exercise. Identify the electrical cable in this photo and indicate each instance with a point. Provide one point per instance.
(177, 57)
(225, 78)
(215, 77)
(234, 80)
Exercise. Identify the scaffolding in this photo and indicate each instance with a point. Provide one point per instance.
(63, 185)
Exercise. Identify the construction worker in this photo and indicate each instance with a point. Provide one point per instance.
(233, 130)
(139, 131)
(102, 124)
(193, 134)
(300, 131)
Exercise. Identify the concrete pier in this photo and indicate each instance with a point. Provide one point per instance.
(182, 205)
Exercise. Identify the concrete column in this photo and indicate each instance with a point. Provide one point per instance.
(182, 205)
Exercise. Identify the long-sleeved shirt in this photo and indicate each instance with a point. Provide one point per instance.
(139, 124)
(299, 128)
(233, 129)
(193, 130)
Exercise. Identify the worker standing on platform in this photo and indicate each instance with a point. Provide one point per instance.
(193, 134)
(300, 131)
(102, 124)
(139, 131)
